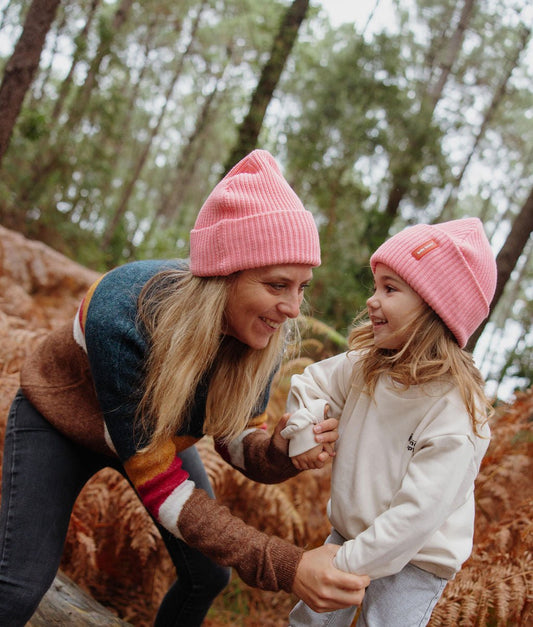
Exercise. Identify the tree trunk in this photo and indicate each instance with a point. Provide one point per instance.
(22, 65)
(400, 179)
(279, 53)
(68, 81)
(497, 99)
(38, 91)
(452, 52)
(508, 256)
(128, 190)
(67, 604)
(190, 154)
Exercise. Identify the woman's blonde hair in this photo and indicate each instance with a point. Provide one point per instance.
(430, 352)
(184, 318)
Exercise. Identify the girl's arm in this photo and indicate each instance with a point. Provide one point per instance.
(319, 391)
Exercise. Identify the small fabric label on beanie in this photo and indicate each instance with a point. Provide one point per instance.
(424, 248)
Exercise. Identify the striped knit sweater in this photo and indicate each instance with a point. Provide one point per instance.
(85, 380)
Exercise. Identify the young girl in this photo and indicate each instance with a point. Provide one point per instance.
(413, 424)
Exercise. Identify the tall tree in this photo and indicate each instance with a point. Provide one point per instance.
(187, 161)
(81, 44)
(409, 161)
(56, 155)
(270, 75)
(497, 99)
(21, 68)
(508, 256)
(125, 197)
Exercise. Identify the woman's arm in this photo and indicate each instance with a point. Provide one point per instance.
(268, 562)
(265, 458)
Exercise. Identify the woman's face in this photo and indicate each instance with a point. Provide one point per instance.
(261, 300)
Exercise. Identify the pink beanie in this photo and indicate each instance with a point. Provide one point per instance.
(252, 218)
(450, 266)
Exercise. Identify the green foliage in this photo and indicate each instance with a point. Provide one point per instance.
(32, 125)
(352, 122)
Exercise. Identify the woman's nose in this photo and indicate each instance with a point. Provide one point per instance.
(290, 306)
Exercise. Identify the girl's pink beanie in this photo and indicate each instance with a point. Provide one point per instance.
(450, 266)
(252, 218)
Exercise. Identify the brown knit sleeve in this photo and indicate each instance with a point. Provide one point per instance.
(56, 379)
(262, 461)
(262, 561)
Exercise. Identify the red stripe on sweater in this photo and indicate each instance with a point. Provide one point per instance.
(155, 491)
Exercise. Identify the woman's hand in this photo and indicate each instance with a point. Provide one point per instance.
(323, 587)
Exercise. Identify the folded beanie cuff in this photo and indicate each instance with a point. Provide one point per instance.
(262, 239)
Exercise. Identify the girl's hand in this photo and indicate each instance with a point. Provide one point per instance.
(313, 458)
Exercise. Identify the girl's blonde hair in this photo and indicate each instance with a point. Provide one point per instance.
(184, 318)
(430, 352)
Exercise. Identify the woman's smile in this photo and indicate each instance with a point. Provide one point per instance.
(262, 299)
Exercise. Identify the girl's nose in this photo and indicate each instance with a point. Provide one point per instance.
(372, 302)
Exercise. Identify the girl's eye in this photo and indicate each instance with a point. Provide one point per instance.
(389, 288)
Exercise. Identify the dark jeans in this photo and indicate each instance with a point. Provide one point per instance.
(43, 473)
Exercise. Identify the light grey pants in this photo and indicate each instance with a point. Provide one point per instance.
(402, 600)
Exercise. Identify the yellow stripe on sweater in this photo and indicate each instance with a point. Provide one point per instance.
(84, 307)
(144, 466)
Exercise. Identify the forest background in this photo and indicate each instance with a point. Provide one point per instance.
(118, 117)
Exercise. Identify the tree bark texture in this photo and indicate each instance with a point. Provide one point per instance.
(67, 604)
(22, 65)
(279, 53)
(508, 256)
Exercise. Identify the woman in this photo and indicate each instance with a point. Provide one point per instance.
(160, 354)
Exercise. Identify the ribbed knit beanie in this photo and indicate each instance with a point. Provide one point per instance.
(450, 266)
(251, 219)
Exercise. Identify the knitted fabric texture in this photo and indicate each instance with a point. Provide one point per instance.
(451, 267)
(251, 219)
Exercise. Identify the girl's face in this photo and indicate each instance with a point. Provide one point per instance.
(392, 306)
(261, 300)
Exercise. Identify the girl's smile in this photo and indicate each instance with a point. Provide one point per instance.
(393, 305)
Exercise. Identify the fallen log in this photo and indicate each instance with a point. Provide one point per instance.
(67, 604)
